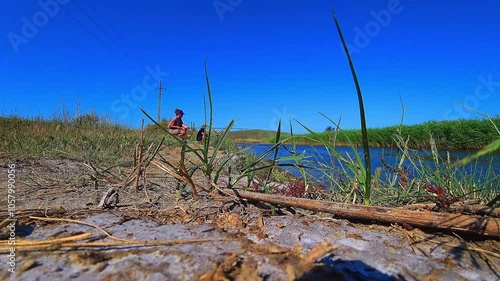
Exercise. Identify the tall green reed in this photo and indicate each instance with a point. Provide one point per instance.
(366, 179)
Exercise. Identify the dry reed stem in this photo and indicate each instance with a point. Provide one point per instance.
(61, 246)
(186, 175)
(224, 192)
(21, 242)
(145, 186)
(61, 242)
(99, 173)
(174, 174)
(84, 223)
(5, 222)
(140, 146)
(170, 172)
(140, 165)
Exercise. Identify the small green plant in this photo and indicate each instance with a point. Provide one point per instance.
(299, 157)
(213, 166)
(207, 154)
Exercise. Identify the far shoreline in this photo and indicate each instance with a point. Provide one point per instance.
(256, 142)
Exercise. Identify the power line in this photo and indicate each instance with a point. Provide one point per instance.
(93, 35)
(109, 26)
(102, 30)
(102, 18)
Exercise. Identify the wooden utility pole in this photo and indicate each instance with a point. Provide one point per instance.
(159, 101)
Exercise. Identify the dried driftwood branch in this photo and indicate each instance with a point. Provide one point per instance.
(480, 210)
(442, 221)
(466, 208)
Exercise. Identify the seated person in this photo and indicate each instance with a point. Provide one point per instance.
(201, 134)
(176, 126)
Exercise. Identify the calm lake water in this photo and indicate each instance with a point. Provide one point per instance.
(320, 156)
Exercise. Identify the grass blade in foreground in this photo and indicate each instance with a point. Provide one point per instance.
(364, 134)
(275, 156)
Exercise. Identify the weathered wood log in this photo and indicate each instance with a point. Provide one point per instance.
(442, 221)
(480, 210)
(470, 209)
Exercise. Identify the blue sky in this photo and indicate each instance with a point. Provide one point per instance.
(266, 60)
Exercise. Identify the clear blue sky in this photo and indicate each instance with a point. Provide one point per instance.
(266, 59)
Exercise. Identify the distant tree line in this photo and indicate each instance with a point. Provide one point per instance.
(461, 134)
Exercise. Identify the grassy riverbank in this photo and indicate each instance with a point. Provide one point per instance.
(39, 136)
(91, 138)
(84, 137)
(472, 134)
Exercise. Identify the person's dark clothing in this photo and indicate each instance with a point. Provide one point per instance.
(199, 136)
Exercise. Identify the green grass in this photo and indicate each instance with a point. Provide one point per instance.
(390, 187)
(471, 134)
(85, 137)
(255, 136)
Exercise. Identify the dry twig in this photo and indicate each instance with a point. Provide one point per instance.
(61, 243)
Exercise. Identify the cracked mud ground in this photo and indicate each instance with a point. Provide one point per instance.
(212, 238)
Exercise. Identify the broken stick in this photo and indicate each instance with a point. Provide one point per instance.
(442, 221)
